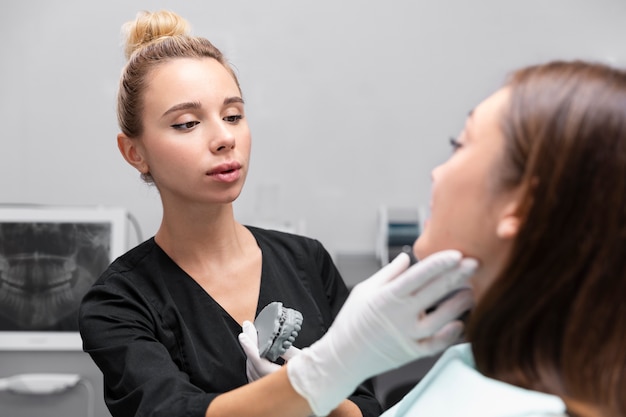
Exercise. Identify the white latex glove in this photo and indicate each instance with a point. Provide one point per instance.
(383, 325)
(256, 366)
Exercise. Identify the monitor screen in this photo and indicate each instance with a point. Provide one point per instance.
(49, 258)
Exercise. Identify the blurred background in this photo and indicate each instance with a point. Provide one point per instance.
(350, 103)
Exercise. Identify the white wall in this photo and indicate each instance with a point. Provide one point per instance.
(350, 103)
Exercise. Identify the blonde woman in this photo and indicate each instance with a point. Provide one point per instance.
(163, 321)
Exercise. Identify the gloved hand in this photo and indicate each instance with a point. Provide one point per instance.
(256, 366)
(383, 325)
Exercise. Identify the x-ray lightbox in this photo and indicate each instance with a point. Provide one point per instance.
(49, 258)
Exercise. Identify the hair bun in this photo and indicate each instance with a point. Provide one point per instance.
(150, 26)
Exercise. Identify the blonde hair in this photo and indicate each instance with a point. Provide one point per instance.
(149, 27)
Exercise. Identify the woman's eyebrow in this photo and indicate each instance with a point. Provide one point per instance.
(183, 106)
(196, 105)
(469, 119)
(468, 122)
(235, 99)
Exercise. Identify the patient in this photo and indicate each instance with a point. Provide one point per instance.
(536, 192)
(540, 174)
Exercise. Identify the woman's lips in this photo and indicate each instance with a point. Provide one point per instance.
(228, 172)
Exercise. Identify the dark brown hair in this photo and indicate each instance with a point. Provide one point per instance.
(555, 318)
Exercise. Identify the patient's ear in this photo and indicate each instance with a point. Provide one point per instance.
(509, 222)
(133, 153)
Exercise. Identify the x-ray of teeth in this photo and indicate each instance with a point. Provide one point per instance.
(45, 269)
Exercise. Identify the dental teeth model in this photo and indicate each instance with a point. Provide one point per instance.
(277, 328)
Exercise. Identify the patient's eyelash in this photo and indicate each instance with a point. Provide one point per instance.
(454, 142)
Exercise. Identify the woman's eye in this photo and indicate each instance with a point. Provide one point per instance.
(234, 118)
(186, 125)
(454, 142)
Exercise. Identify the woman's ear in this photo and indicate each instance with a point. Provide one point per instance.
(131, 151)
(509, 222)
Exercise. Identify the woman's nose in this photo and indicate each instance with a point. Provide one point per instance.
(223, 139)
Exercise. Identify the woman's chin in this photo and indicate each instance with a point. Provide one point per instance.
(420, 248)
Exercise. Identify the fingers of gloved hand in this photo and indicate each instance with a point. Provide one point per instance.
(442, 285)
(250, 330)
(290, 353)
(448, 311)
(387, 273)
(250, 347)
(424, 271)
(446, 336)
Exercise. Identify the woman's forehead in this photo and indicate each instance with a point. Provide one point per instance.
(485, 117)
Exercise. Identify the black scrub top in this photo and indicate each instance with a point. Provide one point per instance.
(166, 347)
